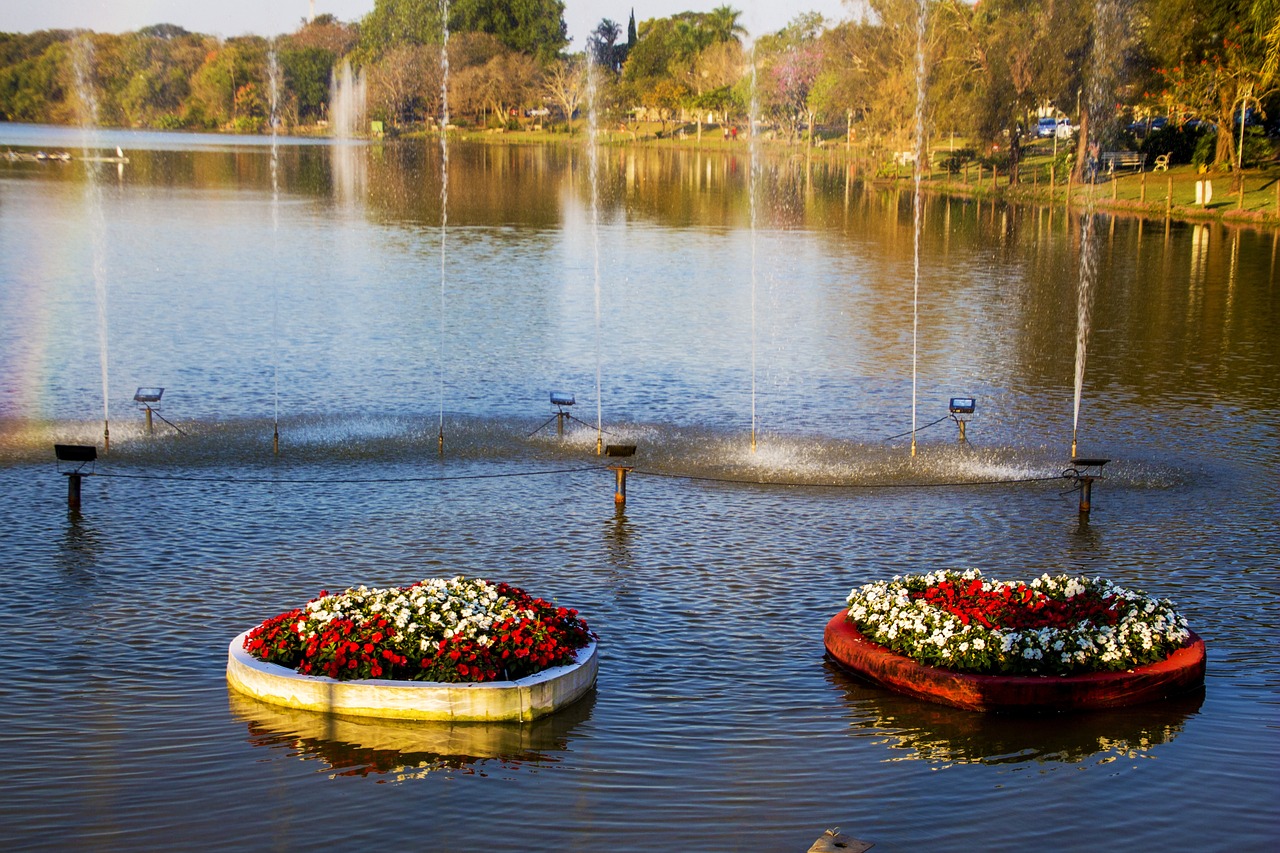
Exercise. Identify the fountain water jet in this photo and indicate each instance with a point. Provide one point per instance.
(1108, 24)
(346, 101)
(82, 62)
(593, 167)
(444, 195)
(753, 184)
(273, 75)
(921, 22)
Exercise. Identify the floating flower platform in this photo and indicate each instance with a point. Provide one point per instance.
(1056, 644)
(458, 650)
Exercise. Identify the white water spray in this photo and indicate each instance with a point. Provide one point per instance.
(273, 77)
(347, 100)
(444, 193)
(1108, 26)
(593, 168)
(753, 182)
(82, 60)
(921, 23)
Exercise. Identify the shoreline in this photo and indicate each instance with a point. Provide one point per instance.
(1149, 195)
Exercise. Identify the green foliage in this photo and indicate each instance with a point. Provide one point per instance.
(956, 160)
(306, 75)
(1257, 148)
(1180, 142)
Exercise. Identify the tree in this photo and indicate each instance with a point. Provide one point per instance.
(565, 82)
(790, 61)
(534, 27)
(723, 24)
(602, 45)
(1215, 57)
(306, 72)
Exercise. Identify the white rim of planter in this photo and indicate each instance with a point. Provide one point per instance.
(517, 701)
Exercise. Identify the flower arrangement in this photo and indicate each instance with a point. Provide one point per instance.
(1059, 625)
(446, 630)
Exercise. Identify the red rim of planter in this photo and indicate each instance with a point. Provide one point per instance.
(1180, 672)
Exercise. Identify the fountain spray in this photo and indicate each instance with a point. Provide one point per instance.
(273, 74)
(1108, 24)
(444, 193)
(593, 168)
(82, 61)
(916, 210)
(752, 184)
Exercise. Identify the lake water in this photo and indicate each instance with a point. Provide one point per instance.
(322, 306)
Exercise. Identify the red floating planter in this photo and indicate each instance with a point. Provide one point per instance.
(1180, 672)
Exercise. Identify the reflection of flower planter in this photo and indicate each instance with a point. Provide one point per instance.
(927, 731)
(1181, 671)
(363, 746)
(523, 699)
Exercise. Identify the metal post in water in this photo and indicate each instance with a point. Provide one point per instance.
(620, 492)
(620, 471)
(150, 428)
(1085, 480)
(73, 491)
(79, 455)
(106, 436)
(275, 440)
(442, 441)
(560, 424)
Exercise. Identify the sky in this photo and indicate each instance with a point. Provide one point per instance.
(273, 17)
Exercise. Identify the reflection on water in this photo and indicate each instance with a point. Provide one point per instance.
(401, 750)
(914, 730)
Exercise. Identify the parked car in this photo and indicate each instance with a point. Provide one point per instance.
(1046, 127)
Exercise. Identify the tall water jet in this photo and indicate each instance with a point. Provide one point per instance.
(82, 60)
(921, 22)
(593, 169)
(444, 195)
(273, 77)
(753, 182)
(1108, 25)
(346, 101)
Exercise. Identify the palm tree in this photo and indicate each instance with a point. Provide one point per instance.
(723, 24)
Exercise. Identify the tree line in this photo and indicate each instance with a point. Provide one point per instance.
(1204, 72)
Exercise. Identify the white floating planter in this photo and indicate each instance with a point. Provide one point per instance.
(520, 700)
(454, 649)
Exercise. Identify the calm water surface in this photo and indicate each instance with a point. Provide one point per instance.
(716, 723)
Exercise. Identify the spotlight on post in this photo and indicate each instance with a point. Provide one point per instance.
(962, 406)
(72, 461)
(620, 471)
(561, 401)
(149, 399)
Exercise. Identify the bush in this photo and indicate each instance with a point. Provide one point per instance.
(996, 159)
(956, 160)
(1181, 142)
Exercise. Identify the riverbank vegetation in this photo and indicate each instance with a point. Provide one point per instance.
(1040, 91)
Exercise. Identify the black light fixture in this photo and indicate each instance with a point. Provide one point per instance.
(962, 406)
(72, 459)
